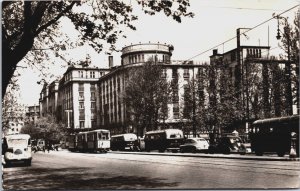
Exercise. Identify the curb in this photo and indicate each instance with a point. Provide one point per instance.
(240, 157)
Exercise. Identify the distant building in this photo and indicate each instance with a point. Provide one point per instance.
(77, 96)
(14, 127)
(32, 113)
(72, 99)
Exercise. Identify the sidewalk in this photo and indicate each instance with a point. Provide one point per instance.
(202, 155)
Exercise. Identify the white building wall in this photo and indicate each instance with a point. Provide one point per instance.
(75, 105)
(181, 83)
(87, 105)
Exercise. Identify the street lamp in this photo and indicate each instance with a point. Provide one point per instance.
(288, 92)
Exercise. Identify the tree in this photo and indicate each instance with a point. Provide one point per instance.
(46, 128)
(146, 95)
(12, 110)
(29, 28)
(290, 45)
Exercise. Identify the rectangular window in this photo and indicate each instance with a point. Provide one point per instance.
(81, 105)
(93, 96)
(175, 110)
(81, 87)
(186, 73)
(174, 73)
(93, 124)
(81, 96)
(80, 74)
(93, 105)
(81, 114)
(81, 124)
(92, 74)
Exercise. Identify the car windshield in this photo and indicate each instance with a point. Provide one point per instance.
(201, 140)
(16, 142)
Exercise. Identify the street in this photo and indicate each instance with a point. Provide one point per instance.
(82, 171)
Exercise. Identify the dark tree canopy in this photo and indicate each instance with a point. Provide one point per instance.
(146, 96)
(29, 27)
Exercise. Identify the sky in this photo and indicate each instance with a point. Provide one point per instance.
(214, 23)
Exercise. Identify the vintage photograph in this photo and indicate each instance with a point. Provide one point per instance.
(150, 94)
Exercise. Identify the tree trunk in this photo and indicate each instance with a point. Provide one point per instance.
(10, 59)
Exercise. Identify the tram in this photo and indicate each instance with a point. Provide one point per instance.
(90, 141)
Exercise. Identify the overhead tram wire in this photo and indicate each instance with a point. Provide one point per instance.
(240, 34)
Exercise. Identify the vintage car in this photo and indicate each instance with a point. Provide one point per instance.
(194, 145)
(227, 145)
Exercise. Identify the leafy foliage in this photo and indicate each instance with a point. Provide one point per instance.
(146, 95)
(12, 110)
(46, 128)
(30, 29)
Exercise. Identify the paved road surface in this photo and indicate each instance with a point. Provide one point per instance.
(65, 170)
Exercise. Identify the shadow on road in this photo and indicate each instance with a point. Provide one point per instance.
(76, 179)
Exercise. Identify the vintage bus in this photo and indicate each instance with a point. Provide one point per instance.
(161, 140)
(127, 141)
(17, 147)
(275, 135)
(90, 141)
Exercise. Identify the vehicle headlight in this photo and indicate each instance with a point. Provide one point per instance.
(9, 155)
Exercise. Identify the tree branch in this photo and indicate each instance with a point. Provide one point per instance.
(7, 3)
(43, 27)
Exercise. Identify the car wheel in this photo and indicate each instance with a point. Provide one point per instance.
(280, 153)
(258, 153)
(27, 162)
(7, 164)
(193, 150)
(226, 150)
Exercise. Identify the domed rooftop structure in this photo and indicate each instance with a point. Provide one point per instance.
(140, 53)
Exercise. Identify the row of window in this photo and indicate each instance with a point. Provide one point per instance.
(252, 52)
(81, 96)
(81, 105)
(91, 74)
(82, 122)
(137, 58)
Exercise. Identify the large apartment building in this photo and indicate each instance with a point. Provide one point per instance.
(88, 97)
(112, 110)
(72, 99)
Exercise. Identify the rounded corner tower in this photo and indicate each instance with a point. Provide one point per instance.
(147, 52)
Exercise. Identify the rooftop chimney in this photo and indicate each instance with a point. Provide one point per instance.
(215, 52)
(110, 61)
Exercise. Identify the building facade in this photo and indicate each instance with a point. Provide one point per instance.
(72, 99)
(77, 96)
(112, 109)
(32, 113)
(91, 98)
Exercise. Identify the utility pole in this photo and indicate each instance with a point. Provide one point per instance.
(239, 81)
(194, 106)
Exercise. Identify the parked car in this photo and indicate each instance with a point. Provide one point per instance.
(227, 145)
(194, 145)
